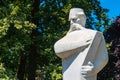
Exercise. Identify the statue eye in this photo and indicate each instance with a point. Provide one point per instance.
(74, 20)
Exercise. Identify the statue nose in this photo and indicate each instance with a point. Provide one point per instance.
(71, 21)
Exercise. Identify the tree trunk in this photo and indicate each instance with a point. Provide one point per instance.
(32, 63)
(21, 69)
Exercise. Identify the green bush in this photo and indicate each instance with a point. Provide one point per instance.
(50, 72)
(6, 74)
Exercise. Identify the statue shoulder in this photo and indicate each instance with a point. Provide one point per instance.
(94, 32)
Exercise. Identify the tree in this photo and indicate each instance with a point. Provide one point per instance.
(16, 28)
(29, 29)
(112, 36)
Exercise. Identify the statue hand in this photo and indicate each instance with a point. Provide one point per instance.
(75, 27)
(86, 70)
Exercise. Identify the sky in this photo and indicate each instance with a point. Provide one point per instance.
(113, 6)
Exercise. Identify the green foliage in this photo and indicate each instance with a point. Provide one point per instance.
(23, 26)
(108, 45)
(56, 74)
(50, 72)
(14, 36)
(3, 72)
(15, 31)
(3, 27)
(6, 74)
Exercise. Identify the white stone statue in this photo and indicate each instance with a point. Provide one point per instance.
(83, 51)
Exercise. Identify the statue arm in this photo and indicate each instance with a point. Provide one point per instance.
(65, 52)
(101, 57)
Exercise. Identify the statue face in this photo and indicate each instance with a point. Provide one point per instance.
(77, 15)
(76, 19)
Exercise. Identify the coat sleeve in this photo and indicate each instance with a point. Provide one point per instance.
(97, 54)
(101, 57)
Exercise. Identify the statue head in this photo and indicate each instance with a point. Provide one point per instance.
(77, 15)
